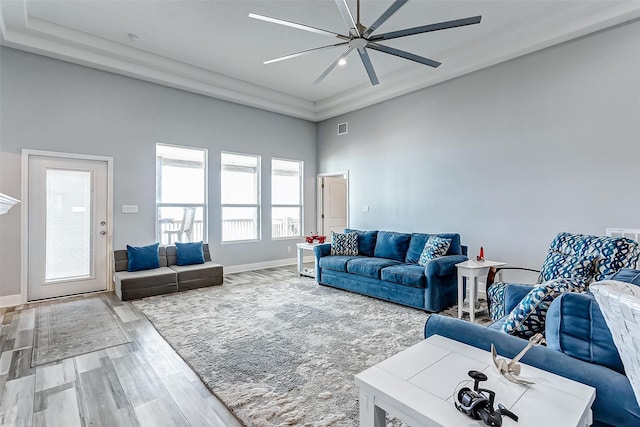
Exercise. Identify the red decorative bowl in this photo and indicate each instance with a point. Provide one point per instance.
(321, 239)
(309, 239)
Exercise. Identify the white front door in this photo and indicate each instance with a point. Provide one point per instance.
(67, 228)
(334, 204)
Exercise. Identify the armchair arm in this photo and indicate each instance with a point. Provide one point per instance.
(443, 266)
(615, 402)
(322, 250)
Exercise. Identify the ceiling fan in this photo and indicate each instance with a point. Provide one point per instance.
(360, 37)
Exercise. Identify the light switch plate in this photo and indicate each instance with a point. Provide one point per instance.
(365, 208)
(129, 208)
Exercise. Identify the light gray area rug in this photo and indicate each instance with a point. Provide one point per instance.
(283, 353)
(70, 328)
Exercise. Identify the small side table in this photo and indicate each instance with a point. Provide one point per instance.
(301, 248)
(471, 270)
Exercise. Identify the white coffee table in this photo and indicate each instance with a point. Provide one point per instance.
(472, 270)
(417, 386)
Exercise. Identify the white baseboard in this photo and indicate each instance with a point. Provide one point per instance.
(259, 265)
(10, 300)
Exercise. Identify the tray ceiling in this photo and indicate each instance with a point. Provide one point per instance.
(213, 48)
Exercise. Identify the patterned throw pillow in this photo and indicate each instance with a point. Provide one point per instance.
(558, 265)
(434, 248)
(528, 317)
(344, 244)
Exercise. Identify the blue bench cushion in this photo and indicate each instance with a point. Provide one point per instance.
(575, 326)
(335, 262)
(370, 267)
(366, 241)
(408, 275)
(392, 245)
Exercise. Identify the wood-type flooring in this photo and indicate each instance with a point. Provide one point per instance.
(141, 383)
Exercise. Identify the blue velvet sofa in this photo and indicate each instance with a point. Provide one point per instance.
(579, 347)
(386, 267)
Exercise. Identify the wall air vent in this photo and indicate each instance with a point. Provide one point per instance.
(342, 128)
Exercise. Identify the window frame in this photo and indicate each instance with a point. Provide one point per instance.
(204, 205)
(299, 206)
(257, 205)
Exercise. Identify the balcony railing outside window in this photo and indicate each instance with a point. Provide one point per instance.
(286, 198)
(181, 183)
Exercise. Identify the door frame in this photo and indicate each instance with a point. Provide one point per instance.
(24, 228)
(319, 176)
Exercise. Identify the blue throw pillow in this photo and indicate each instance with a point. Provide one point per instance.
(143, 258)
(528, 317)
(434, 248)
(189, 253)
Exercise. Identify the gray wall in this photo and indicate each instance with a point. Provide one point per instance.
(507, 156)
(53, 105)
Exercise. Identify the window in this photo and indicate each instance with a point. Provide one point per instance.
(181, 194)
(240, 197)
(286, 198)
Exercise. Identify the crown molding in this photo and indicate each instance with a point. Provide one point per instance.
(18, 30)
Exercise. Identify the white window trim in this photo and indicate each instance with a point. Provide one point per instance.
(300, 206)
(258, 205)
(205, 205)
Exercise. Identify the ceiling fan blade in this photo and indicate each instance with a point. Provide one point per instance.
(347, 16)
(296, 25)
(403, 54)
(332, 66)
(366, 61)
(428, 28)
(383, 18)
(304, 52)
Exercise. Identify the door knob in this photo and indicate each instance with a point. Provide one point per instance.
(102, 233)
(103, 223)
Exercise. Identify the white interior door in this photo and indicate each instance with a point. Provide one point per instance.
(67, 226)
(333, 214)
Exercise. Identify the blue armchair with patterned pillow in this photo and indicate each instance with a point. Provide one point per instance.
(572, 263)
(579, 347)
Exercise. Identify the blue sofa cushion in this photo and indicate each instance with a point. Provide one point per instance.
(344, 244)
(143, 257)
(528, 317)
(434, 248)
(392, 245)
(370, 267)
(405, 274)
(335, 262)
(416, 245)
(418, 240)
(575, 326)
(366, 241)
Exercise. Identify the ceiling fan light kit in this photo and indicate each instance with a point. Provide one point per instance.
(360, 38)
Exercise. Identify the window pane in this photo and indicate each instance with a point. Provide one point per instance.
(68, 223)
(239, 179)
(181, 174)
(180, 224)
(285, 222)
(181, 179)
(239, 223)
